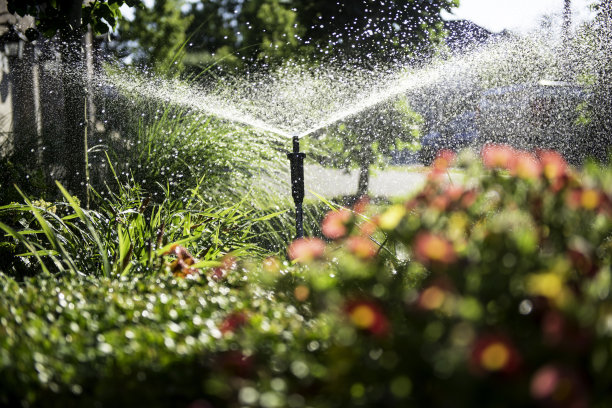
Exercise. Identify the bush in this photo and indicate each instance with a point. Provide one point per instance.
(492, 292)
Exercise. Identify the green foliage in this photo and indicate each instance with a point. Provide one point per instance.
(127, 234)
(497, 293)
(158, 34)
(53, 16)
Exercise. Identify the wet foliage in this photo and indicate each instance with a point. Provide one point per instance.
(491, 292)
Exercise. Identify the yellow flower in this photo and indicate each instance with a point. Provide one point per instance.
(392, 217)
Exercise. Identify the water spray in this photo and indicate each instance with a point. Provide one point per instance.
(297, 185)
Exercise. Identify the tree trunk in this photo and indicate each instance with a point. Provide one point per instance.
(364, 180)
(75, 118)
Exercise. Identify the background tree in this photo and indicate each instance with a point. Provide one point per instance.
(370, 139)
(156, 36)
(69, 21)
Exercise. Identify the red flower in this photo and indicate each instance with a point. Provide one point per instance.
(306, 249)
(232, 322)
(526, 166)
(494, 354)
(431, 248)
(235, 362)
(558, 386)
(367, 315)
(334, 223)
(498, 156)
(361, 247)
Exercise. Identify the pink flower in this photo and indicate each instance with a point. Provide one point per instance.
(558, 386)
(305, 250)
(361, 247)
(498, 156)
(334, 223)
(526, 166)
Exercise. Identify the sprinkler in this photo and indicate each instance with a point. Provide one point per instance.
(297, 184)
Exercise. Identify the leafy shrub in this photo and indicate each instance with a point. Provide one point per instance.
(492, 292)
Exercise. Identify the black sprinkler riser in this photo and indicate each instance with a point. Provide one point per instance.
(297, 185)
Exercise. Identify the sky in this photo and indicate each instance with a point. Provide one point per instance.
(515, 15)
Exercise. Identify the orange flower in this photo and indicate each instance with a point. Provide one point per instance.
(431, 248)
(367, 315)
(181, 266)
(526, 166)
(361, 247)
(334, 223)
(432, 298)
(443, 160)
(494, 354)
(498, 156)
(554, 167)
(588, 199)
(305, 250)
(301, 293)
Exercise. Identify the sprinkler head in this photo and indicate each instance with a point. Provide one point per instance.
(297, 184)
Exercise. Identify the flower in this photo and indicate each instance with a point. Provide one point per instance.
(558, 386)
(443, 160)
(585, 198)
(526, 166)
(554, 167)
(182, 265)
(498, 156)
(334, 223)
(301, 293)
(228, 263)
(494, 354)
(305, 250)
(392, 217)
(361, 247)
(367, 315)
(432, 298)
(361, 205)
(232, 322)
(432, 248)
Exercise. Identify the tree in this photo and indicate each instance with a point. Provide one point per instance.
(365, 33)
(156, 35)
(70, 20)
(367, 140)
